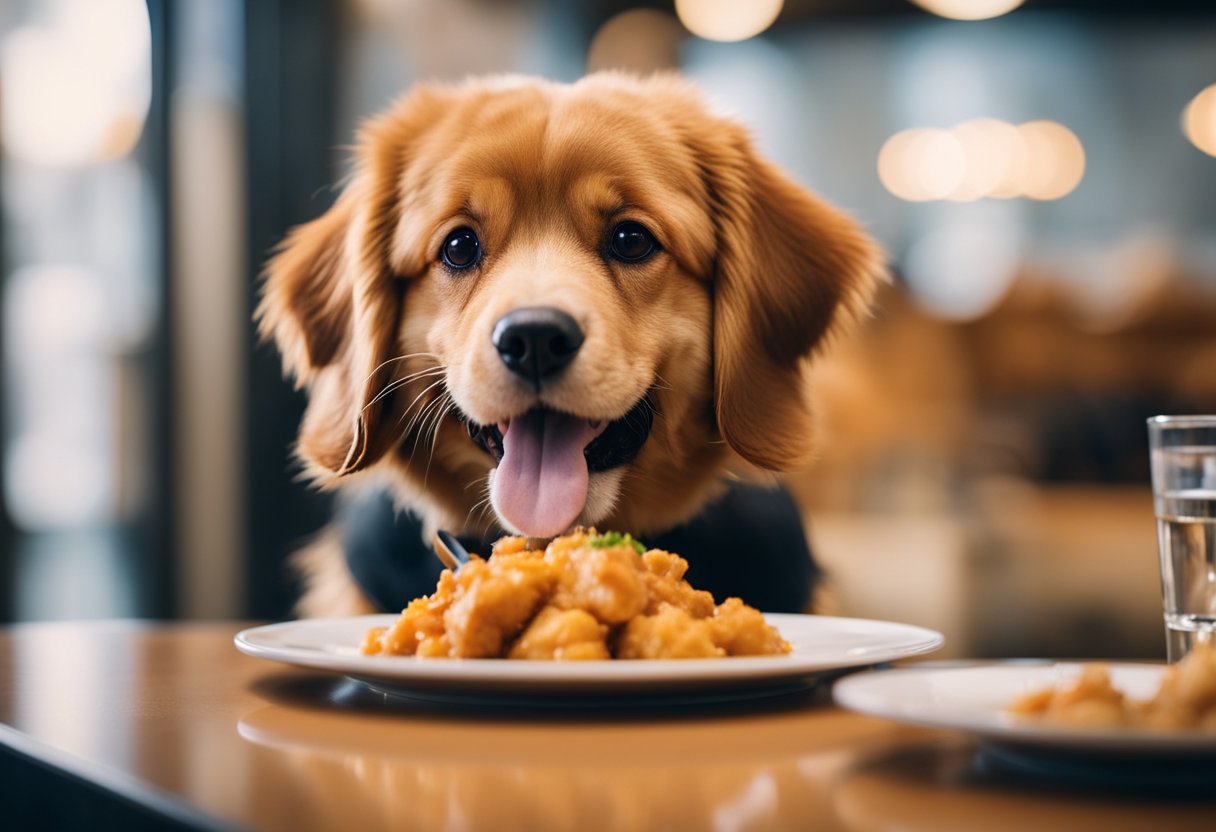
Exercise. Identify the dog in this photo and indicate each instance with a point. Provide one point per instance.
(538, 305)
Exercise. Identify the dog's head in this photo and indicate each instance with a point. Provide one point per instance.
(570, 293)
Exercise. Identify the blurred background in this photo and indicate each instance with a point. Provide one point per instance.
(1041, 174)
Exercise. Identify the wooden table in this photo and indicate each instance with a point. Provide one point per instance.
(122, 725)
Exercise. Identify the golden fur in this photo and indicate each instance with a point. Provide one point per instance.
(753, 273)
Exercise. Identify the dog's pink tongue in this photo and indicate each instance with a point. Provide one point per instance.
(541, 482)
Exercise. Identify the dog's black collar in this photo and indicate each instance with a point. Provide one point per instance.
(749, 544)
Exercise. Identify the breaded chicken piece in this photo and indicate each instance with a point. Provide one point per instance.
(562, 635)
(493, 605)
(671, 633)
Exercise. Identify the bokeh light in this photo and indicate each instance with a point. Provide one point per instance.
(727, 20)
(640, 40)
(77, 90)
(968, 9)
(921, 164)
(995, 159)
(1056, 160)
(980, 158)
(1199, 120)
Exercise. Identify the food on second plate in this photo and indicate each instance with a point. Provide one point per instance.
(1186, 699)
(585, 596)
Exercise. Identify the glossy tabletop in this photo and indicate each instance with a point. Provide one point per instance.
(174, 719)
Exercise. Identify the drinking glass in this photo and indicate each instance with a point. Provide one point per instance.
(1182, 454)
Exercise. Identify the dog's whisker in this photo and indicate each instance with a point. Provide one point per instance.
(653, 409)
(404, 357)
(441, 414)
(395, 378)
(396, 385)
(417, 438)
(438, 426)
(484, 503)
(425, 371)
(423, 418)
(417, 434)
(401, 382)
(436, 423)
(420, 419)
(469, 520)
(637, 421)
(661, 383)
(483, 507)
(406, 412)
(485, 494)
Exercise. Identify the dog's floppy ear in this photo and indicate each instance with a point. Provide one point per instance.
(306, 297)
(332, 305)
(790, 270)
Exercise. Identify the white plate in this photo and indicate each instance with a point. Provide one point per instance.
(974, 699)
(820, 644)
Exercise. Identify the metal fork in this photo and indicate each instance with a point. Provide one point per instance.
(449, 550)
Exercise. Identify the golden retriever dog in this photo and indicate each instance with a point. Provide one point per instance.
(539, 305)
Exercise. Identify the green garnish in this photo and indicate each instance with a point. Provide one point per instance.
(607, 539)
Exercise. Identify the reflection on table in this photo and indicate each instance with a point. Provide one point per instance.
(175, 719)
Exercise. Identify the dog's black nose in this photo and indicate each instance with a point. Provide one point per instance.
(536, 342)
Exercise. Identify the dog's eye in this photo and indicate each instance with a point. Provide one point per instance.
(631, 242)
(461, 249)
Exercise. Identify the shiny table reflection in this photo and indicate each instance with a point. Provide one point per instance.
(173, 718)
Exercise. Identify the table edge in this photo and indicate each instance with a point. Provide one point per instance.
(69, 767)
